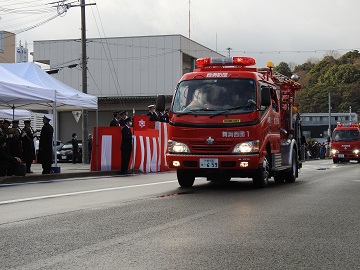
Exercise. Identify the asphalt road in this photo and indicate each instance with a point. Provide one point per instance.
(148, 222)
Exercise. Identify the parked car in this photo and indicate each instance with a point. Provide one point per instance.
(65, 153)
(59, 144)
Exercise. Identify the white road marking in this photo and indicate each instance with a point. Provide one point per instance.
(82, 192)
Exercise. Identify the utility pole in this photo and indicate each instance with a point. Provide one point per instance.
(189, 19)
(350, 114)
(82, 5)
(85, 149)
(329, 128)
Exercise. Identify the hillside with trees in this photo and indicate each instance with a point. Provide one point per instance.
(338, 76)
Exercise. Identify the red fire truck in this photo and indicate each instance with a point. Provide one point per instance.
(231, 120)
(345, 144)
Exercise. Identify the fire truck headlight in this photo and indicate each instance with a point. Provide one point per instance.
(334, 151)
(177, 147)
(247, 147)
(356, 151)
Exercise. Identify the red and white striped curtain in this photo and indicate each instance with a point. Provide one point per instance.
(149, 149)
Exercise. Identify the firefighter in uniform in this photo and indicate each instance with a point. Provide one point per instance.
(122, 118)
(7, 162)
(5, 132)
(115, 121)
(28, 146)
(45, 156)
(15, 140)
(126, 146)
(152, 113)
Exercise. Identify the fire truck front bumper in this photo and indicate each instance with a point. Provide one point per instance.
(347, 156)
(214, 162)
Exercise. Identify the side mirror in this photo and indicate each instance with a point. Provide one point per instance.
(265, 96)
(160, 103)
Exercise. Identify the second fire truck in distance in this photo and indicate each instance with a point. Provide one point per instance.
(345, 144)
(230, 120)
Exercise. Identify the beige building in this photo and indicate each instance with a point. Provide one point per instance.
(7, 47)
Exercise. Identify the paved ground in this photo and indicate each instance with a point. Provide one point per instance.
(67, 170)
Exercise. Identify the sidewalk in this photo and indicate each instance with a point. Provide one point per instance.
(67, 170)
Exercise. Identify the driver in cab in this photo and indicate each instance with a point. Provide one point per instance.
(199, 99)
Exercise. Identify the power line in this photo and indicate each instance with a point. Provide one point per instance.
(114, 75)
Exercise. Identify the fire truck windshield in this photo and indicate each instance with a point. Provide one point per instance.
(208, 95)
(346, 135)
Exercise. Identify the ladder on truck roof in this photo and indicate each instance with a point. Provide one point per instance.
(282, 79)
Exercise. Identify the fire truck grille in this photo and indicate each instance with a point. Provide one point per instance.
(216, 147)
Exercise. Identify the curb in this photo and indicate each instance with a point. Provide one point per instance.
(55, 176)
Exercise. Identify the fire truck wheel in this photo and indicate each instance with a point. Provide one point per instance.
(290, 176)
(185, 179)
(335, 160)
(261, 177)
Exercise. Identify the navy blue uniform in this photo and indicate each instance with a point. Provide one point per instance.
(126, 148)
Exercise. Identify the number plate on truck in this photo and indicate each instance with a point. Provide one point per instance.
(209, 163)
(341, 155)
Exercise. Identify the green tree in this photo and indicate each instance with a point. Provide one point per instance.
(339, 76)
(349, 57)
(321, 68)
(284, 69)
(304, 67)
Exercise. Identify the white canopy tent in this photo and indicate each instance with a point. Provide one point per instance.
(15, 114)
(27, 86)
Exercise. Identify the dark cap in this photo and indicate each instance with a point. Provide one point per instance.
(123, 112)
(74, 134)
(127, 119)
(6, 121)
(115, 113)
(151, 106)
(27, 120)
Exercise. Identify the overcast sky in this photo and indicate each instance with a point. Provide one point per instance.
(278, 30)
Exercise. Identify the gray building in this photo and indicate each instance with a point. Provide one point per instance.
(125, 73)
(316, 125)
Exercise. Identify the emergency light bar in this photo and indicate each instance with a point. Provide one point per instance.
(350, 125)
(225, 61)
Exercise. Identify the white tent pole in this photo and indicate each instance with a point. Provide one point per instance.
(55, 129)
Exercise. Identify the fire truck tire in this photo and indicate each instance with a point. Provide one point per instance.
(335, 160)
(261, 176)
(290, 175)
(185, 179)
